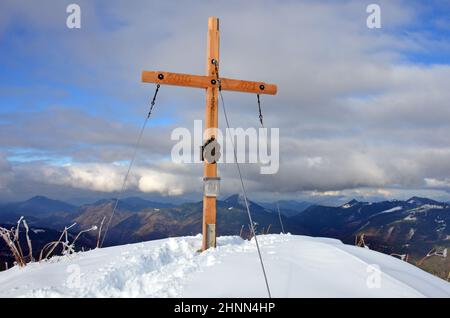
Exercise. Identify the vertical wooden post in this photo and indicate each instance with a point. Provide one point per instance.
(209, 83)
(211, 124)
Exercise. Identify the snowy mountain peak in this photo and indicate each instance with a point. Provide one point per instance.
(349, 204)
(421, 201)
(318, 267)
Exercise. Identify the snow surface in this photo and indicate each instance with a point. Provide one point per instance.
(397, 208)
(297, 266)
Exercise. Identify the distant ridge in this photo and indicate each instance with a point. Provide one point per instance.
(411, 227)
(38, 206)
(133, 203)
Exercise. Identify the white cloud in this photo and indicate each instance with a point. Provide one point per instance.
(438, 183)
(94, 177)
(109, 178)
(352, 112)
(163, 183)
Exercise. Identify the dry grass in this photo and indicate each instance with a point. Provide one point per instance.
(100, 232)
(63, 241)
(12, 240)
(248, 235)
(359, 240)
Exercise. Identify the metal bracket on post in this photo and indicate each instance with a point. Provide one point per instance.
(211, 235)
(211, 186)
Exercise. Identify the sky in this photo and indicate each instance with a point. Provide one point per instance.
(363, 113)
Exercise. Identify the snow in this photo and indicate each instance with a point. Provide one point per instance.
(427, 207)
(297, 266)
(410, 217)
(397, 208)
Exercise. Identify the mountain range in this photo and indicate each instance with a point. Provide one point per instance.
(413, 227)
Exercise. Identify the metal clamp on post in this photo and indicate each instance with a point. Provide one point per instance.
(211, 186)
(210, 151)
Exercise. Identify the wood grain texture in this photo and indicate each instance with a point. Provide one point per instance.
(199, 81)
(177, 79)
(248, 86)
(211, 124)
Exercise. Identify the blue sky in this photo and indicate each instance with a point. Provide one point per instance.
(358, 103)
(432, 21)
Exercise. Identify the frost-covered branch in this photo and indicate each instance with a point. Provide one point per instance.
(11, 239)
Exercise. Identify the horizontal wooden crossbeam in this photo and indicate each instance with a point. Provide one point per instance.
(199, 81)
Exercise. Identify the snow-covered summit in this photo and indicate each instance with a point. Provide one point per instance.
(350, 204)
(423, 201)
(297, 266)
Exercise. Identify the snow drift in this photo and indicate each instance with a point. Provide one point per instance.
(297, 266)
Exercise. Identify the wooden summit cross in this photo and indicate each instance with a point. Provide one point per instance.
(209, 82)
